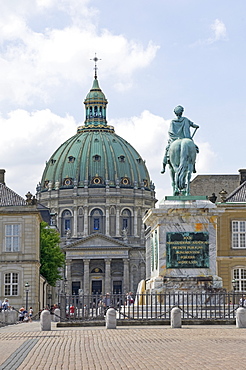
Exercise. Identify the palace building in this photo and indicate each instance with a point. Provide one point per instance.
(19, 248)
(98, 188)
(229, 193)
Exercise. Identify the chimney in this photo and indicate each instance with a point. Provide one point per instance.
(242, 176)
(2, 172)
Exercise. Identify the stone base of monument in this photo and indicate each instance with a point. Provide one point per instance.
(194, 284)
(181, 246)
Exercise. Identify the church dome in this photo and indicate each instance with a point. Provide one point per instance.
(95, 156)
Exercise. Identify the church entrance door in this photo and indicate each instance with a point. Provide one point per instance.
(96, 286)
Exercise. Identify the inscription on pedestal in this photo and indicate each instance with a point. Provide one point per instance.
(187, 250)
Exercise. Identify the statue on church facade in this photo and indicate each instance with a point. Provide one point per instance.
(180, 152)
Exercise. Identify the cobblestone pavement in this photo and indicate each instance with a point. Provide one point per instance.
(24, 346)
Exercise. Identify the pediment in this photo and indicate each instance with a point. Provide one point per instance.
(97, 241)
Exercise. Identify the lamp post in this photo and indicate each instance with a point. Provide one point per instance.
(65, 295)
(27, 290)
(58, 285)
(65, 286)
(49, 297)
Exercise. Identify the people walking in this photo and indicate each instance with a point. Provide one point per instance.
(30, 314)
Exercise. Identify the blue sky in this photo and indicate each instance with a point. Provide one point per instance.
(155, 55)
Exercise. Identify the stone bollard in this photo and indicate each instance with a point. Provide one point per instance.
(176, 318)
(57, 315)
(45, 320)
(241, 317)
(111, 319)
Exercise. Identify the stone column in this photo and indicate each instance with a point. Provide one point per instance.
(75, 222)
(118, 222)
(86, 277)
(135, 223)
(126, 276)
(69, 276)
(107, 222)
(107, 275)
(86, 221)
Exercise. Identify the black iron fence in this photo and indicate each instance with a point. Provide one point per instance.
(152, 306)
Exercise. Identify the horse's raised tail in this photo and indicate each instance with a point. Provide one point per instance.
(181, 175)
(187, 160)
(182, 156)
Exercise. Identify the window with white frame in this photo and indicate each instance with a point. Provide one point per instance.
(11, 281)
(238, 234)
(239, 276)
(12, 238)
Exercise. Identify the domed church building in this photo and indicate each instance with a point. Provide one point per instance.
(98, 188)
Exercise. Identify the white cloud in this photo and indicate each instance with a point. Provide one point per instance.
(27, 141)
(35, 64)
(219, 33)
(147, 134)
(206, 159)
(219, 29)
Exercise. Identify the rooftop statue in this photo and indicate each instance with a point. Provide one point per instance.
(180, 152)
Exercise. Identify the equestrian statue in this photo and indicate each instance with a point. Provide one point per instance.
(180, 152)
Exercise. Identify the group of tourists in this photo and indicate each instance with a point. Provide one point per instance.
(117, 300)
(4, 305)
(25, 315)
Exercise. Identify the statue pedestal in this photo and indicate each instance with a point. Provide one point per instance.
(181, 245)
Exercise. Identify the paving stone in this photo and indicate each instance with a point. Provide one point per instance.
(159, 347)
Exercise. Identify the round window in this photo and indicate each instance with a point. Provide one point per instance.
(67, 182)
(125, 181)
(96, 180)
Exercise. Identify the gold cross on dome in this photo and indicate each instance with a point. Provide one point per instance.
(95, 59)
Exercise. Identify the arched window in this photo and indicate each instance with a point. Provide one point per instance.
(126, 221)
(66, 223)
(96, 221)
(239, 276)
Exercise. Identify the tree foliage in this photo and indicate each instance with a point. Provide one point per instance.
(51, 256)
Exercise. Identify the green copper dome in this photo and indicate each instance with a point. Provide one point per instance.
(95, 156)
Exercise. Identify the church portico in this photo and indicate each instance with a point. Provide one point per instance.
(97, 264)
(97, 276)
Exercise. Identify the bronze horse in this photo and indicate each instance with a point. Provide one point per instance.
(182, 157)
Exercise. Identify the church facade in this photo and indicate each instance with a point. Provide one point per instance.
(98, 188)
